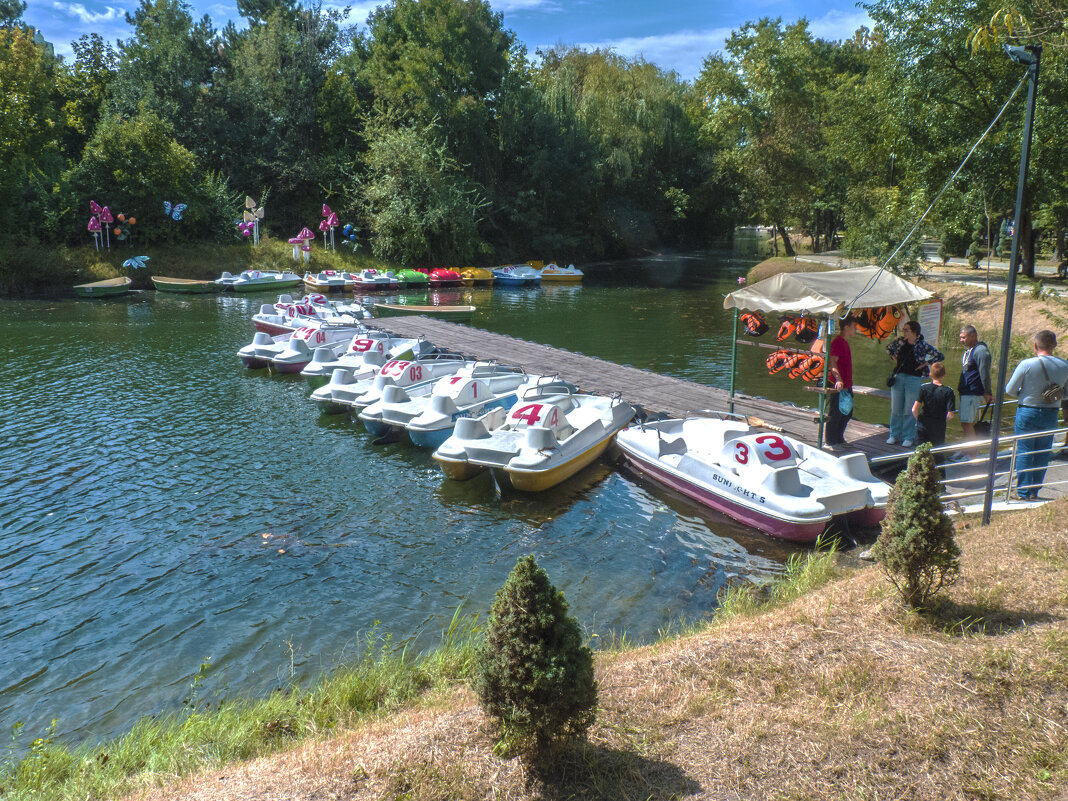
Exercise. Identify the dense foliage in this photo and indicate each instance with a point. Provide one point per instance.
(446, 142)
(532, 672)
(916, 547)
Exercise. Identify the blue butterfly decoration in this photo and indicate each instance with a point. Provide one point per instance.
(136, 263)
(176, 210)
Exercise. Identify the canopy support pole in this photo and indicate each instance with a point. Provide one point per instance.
(734, 359)
(826, 371)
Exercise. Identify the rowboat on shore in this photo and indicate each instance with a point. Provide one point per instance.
(456, 313)
(186, 286)
(108, 288)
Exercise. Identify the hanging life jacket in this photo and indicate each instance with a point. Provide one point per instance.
(754, 323)
(813, 368)
(785, 329)
(878, 323)
(794, 361)
(806, 329)
(777, 361)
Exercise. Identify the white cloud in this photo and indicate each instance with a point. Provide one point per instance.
(838, 25)
(87, 17)
(681, 51)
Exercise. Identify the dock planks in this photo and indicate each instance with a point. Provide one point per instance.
(652, 391)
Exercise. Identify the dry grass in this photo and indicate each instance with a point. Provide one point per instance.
(987, 312)
(839, 694)
(784, 264)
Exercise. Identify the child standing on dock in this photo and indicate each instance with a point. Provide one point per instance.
(934, 408)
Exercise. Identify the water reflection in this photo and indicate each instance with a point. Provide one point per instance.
(165, 504)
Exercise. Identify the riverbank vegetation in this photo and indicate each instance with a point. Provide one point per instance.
(820, 686)
(435, 133)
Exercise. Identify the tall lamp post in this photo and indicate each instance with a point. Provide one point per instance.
(1029, 56)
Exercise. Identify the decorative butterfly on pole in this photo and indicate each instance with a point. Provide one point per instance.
(136, 263)
(253, 214)
(175, 211)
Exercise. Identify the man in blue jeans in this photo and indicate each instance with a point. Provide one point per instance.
(1035, 412)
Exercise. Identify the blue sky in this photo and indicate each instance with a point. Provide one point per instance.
(675, 34)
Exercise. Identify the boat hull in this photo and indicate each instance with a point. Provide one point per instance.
(107, 288)
(183, 286)
(776, 527)
(541, 480)
(261, 286)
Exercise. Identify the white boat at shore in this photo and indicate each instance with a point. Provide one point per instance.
(760, 477)
(550, 434)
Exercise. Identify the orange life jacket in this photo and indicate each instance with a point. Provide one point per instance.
(777, 361)
(811, 370)
(785, 329)
(878, 323)
(806, 329)
(794, 360)
(754, 323)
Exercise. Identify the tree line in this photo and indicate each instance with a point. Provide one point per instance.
(434, 131)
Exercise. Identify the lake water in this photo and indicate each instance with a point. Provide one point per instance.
(163, 505)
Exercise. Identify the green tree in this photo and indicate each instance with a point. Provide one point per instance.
(134, 165)
(83, 88)
(532, 672)
(11, 12)
(166, 68)
(916, 547)
(419, 206)
(29, 121)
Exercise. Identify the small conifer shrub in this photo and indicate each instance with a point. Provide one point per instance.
(532, 671)
(916, 547)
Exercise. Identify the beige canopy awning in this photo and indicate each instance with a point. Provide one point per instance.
(833, 292)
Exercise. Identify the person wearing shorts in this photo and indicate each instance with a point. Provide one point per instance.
(974, 384)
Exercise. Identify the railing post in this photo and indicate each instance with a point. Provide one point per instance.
(734, 359)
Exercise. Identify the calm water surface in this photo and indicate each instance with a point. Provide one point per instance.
(162, 504)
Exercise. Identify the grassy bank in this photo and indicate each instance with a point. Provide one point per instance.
(36, 271)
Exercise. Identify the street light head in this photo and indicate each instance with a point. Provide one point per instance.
(1027, 55)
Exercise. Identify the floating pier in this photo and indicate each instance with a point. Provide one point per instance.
(651, 391)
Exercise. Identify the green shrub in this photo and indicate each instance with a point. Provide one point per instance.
(532, 672)
(916, 546)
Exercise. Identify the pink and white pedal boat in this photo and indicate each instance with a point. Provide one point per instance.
(300, 349)
(371, 280)
(286, 315)
(761, 478)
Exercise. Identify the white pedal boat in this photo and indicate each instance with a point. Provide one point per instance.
(344, 390)
(286, 315)
(407, 374)
(764, 479)
(372, 280)
(300, 348)
(256, 280)
(439, 404)
(379, 346)
(546, 437)
(264, 348)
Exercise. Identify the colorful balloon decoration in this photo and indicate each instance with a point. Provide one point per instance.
(348, 236)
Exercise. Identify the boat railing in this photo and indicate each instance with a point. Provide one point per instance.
(965, 467)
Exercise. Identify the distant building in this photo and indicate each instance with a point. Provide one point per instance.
(40, 41)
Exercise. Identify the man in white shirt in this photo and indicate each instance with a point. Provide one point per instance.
(1036, 412)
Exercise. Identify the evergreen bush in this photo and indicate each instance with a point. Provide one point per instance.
(916, 547)
(532, 672)
(976, 251)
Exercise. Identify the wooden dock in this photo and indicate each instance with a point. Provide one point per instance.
(651, 391)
